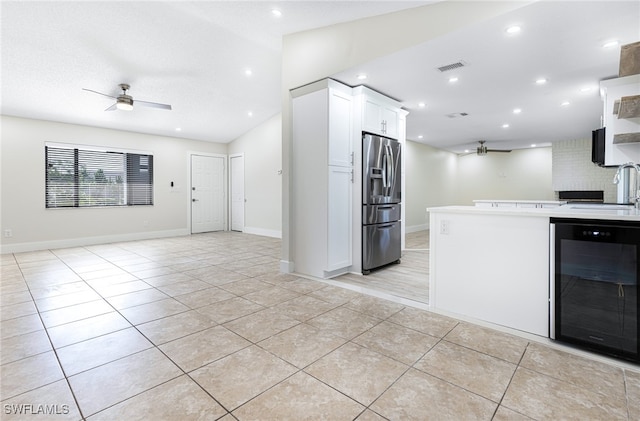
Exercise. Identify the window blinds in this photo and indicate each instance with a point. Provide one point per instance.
(78, 177)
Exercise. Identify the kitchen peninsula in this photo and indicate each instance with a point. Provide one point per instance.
(493, 263)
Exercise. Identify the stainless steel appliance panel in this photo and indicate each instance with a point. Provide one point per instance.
(379, 214)
(380, 244)
(381, 170)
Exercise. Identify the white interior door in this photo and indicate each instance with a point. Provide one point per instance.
(207, 193)
(236, 165)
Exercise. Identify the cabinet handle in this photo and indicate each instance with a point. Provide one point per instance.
(352, 158)
(351, 175)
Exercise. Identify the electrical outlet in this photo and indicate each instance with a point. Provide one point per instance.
(8, 233)
(444, 227)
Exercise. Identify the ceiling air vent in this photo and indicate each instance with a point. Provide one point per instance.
(452, 66)
(456, 115)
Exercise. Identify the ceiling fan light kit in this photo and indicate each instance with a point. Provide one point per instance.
(125, 104)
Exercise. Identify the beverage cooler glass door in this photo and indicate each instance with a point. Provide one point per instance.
(596, 286)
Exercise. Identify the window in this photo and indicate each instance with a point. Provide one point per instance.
(84, 177)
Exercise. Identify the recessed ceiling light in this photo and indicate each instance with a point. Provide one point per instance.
(586, 89)
(178, 129)
(420, 137)
(505, 126)
(517, 110)
(565, 103)
(533, 145)
(422, 104)
(361, 76)
(541, 81)
(275, 12)
(248, 72)
(250, 113)
(466, 151)
(453, 79)
(514, 29)
(611, 44)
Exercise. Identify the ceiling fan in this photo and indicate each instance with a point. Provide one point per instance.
(125, 101)
(482, 149)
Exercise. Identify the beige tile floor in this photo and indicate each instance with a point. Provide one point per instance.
(204, 327)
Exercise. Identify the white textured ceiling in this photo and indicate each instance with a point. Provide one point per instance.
(193, 55)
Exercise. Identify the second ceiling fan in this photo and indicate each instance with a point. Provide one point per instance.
(482, 149)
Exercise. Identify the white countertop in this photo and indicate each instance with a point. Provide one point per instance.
(567, 211)
(550, 202)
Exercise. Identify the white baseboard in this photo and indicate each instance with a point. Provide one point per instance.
(416, 228)
(89, 241)
(286, 266)
(263, 232)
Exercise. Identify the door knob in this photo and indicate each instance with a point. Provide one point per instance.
(194, 200)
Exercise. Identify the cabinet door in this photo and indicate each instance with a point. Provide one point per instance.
(372, 117)
(340, 129)
(339, 217)
(390, 122)
(380, 119)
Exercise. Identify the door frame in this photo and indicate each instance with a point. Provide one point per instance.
(229, 200)
(225, 186)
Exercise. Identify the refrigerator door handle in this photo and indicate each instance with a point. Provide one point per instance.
(392, 176)
(384, 173)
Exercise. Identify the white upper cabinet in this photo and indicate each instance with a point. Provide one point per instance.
(381, 115)
(622, 133)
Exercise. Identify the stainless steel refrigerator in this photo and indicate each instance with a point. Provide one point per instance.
(381, 195)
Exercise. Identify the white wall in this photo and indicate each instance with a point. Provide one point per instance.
(262, 149)
(439, 178)
(430, 181)
(524, 174)
(22, 188)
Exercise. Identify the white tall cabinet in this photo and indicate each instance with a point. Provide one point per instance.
(322, 178)
(328, 121)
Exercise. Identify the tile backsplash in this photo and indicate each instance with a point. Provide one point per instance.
(572, 169)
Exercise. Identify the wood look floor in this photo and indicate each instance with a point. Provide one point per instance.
(408, 280)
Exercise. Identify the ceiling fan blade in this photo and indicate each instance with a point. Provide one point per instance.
(153, 104)
(498, 150)
(113, 107)
(99, 93)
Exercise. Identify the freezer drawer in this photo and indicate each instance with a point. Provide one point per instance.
(378, 214)
(380, 245)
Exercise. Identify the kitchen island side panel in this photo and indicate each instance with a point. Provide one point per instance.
(493, 268)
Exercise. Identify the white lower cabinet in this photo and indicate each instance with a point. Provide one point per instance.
(339, 200)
